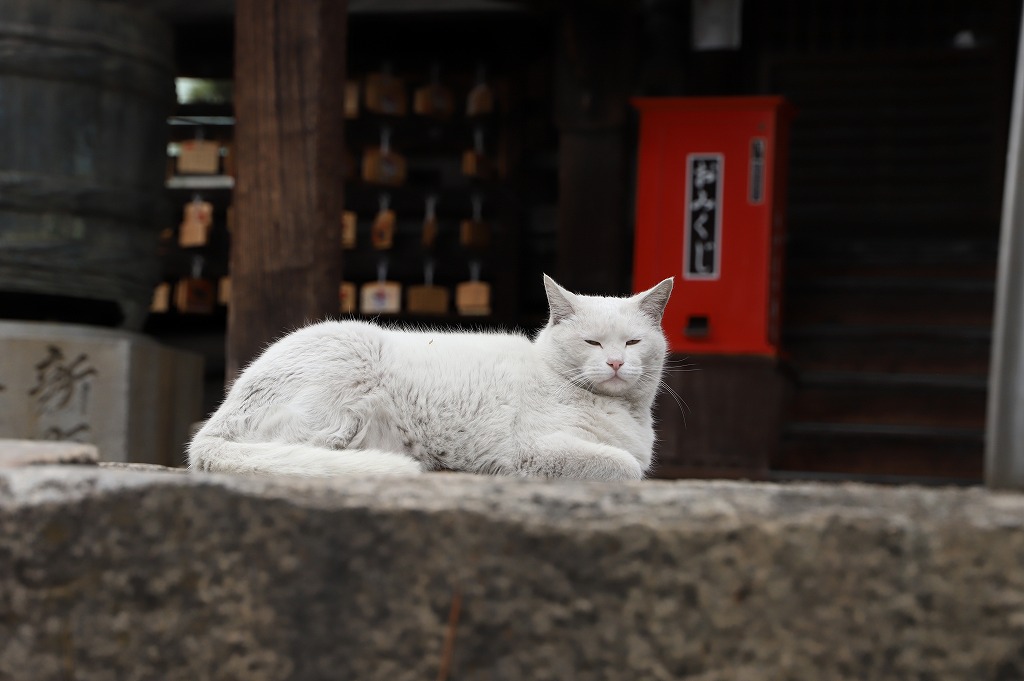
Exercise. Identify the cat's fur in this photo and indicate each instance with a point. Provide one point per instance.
(353, 397)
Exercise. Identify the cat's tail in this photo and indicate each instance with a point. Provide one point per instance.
(210, 453)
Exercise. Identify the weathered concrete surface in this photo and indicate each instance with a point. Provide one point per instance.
(118, 574)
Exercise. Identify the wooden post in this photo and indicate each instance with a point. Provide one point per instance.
(289, 103)
(594, 78)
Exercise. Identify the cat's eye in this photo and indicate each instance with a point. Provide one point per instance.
(593, 342)
(633, 342)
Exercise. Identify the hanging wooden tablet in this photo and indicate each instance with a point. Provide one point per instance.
(480, 100)
(473, 297)
(351, 99)
(474, 233)
(385, 94)
(161, 301)
(196, 223)
(199, 157)
(474, 163)
(381, 165)
(382, 233)
(193, 294)
(427, 298)
(348, 229)
(381, 296)
(433, 99)
(347, 297)
(430, 226)
(224, 291)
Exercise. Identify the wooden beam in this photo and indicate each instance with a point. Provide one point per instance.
(289, 99)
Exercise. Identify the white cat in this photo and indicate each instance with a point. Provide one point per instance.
(352, 397)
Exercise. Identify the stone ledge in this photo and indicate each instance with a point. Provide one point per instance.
(120, 574)
(35, 452)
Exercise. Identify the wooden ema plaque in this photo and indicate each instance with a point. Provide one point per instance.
(348, 229)
(474, 162)
(224, 291)
(430, 225)
(385, 94)
(382, 233)
(347, 297)
(381, 297)
(382, 166)
(480, 100)
(424, 299)
(194, 296)
(427, 298)
(197, 220)
(352, 99)
(473, 298)
(430, 229)
(474, 233)
(161, 301)
(199, 157)
(433, 99)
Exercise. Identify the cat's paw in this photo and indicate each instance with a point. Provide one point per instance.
(614, 468)
(631, 470)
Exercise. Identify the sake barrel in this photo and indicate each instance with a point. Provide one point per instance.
(85, 90)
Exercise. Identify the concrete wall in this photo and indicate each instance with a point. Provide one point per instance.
(118, 574)
(123, 392)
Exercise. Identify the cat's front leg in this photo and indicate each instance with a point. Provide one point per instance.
(562, 455)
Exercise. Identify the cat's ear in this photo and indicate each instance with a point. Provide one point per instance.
(652, 302)
(560, 301)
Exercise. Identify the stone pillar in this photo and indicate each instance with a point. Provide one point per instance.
(125, 393)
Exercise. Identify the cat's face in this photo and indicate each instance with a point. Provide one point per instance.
(610, 346)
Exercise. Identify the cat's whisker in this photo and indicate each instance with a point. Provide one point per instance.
(680, 402)
(647, 379)
(676, 365)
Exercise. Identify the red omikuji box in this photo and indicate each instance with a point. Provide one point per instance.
(710, 209)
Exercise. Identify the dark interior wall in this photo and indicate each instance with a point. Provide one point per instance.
(903, 111)
(902, 105)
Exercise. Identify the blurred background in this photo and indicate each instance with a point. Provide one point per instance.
(486, 142)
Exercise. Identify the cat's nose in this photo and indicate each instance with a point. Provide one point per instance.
(615, 364)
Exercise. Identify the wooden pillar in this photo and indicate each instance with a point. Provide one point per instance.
(594, 78)
(289, 103)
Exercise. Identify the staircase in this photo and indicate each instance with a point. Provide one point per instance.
(889, 340)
